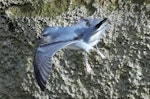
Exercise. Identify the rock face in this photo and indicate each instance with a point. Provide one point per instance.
(125, 73)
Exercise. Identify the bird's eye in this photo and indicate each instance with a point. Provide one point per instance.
(44, 35)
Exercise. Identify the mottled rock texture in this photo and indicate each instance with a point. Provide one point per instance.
(125, 74)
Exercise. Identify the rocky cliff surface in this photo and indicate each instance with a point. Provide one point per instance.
(125, 73)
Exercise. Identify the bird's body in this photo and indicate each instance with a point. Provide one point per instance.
(83, 35)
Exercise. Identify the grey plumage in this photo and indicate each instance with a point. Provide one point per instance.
(83, 35)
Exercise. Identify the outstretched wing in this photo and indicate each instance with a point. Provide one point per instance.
(93, 34)
(43, 61)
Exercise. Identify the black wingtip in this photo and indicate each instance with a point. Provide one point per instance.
(101, 22)
(41, 83)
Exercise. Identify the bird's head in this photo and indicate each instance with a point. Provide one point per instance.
(47, 34)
